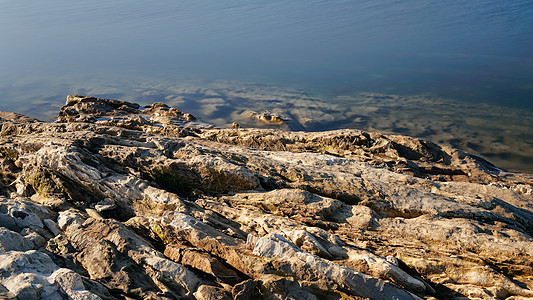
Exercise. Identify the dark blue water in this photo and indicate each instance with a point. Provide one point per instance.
(474, 50)
(478, 51)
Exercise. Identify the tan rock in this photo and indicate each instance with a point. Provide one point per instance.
(208, 292)
(149, 204)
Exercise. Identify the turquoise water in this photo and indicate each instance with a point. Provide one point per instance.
(478, 51)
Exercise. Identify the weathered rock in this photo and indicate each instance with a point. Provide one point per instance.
(10, 241)
(33, 275)
(246, 290)
(6, 294)
(37, 239)
(69, 217)
(8, 222)
(399, 153)
(105, 205)
(144, 203)
(382, 268)
(155, 118)
(208, 292)
(10, 117)
(24, 213)
(78, 106)
(52, 226)
(267, 117)
(204, 262)
(119, 259)
(72, 284)
(305, 265)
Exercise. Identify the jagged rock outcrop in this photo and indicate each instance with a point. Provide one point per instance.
(115, 201)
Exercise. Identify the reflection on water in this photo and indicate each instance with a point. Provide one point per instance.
(479, 51)
(476, 51)
(502, 135)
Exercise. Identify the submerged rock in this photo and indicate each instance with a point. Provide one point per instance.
(117, 201)
(268, 117)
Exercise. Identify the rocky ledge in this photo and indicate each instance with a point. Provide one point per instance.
(118, 201)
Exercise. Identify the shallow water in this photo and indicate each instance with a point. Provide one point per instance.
(463, 67)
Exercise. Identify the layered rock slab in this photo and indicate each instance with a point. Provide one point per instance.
(148, 203)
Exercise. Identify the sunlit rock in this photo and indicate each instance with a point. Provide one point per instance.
(117, 200)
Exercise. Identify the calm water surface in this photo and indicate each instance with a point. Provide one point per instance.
(477, 52)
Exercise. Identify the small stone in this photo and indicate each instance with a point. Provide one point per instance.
(69, 217)
(37, 239)
(52, 226)
(189, 117)
(105, 205)
(209, 292)
(93, 213)
(393, 260)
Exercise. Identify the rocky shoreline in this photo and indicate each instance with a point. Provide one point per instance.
(500, 134)
(119, 201)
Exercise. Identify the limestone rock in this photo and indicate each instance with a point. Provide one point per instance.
(267, 117)
(208, 292)
(72, 284)
(37, 239)
(120, 201)
(69, 217)
(52, 226)
(105, 205)
(24, 213)
(8, 222)
(120, 259)
(10, 117)
(33, 275)
(203, 261)
(305, 265)
(77, 105)
(10, 241)
(246, 290)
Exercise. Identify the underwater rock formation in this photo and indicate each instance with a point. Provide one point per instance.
(117, 201)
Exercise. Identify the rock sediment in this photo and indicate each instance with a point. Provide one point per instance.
(117, 201)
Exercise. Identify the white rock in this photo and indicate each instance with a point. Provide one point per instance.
(33, 275)
(25, 218)
(24, 274)
(105, 205)
(69, 217)
(308, 242)
(10, 240)
(276, 246)
(72, 284)
(52, 226)
(387, 269)
(175, 273)
(37, 239)
(251, 240)
(393, 260)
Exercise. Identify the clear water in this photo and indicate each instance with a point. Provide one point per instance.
(478, 51)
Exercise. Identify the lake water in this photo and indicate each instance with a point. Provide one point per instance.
(455, 72)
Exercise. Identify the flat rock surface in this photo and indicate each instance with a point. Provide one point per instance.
(117, 201)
